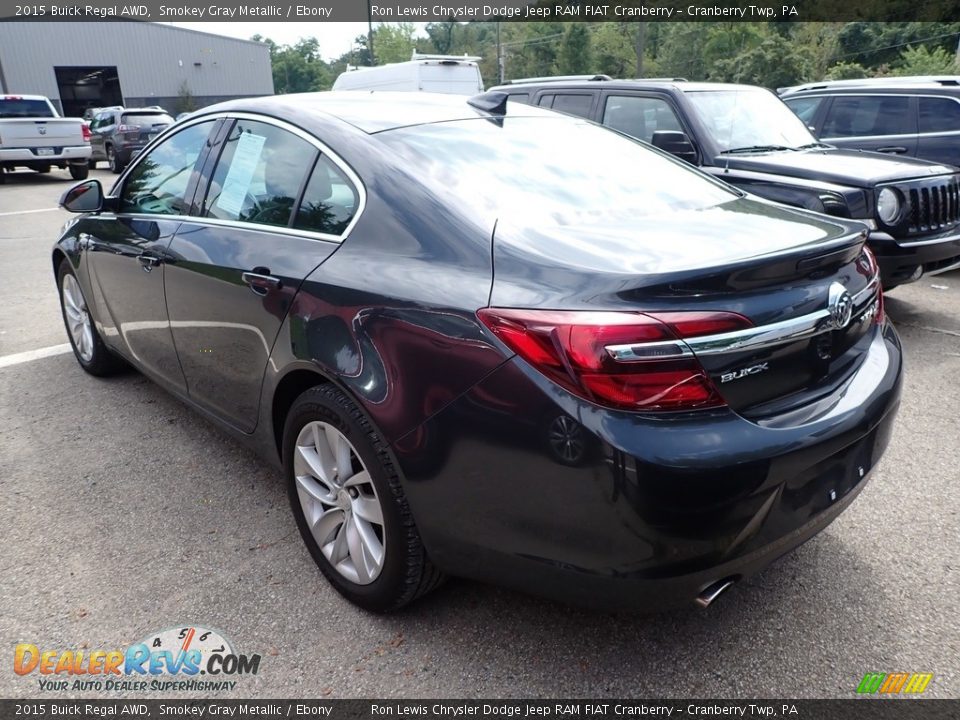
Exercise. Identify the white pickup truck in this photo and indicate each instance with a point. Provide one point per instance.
(34, 136)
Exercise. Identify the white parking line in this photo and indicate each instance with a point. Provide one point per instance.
(27, 212)
(17, 358)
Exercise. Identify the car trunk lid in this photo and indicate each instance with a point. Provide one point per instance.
(804, 282)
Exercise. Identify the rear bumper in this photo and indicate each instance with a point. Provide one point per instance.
(125, 152)
(657, 508)
(27, 156)
(900, 260)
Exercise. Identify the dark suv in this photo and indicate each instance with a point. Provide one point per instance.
(116, 134)
(900, 116)
(747, 137)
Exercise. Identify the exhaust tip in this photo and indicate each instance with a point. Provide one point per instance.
(713, 591)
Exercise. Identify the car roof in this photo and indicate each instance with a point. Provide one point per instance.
(902, 84)
(372, 111)
(915, 87)
(641, 84)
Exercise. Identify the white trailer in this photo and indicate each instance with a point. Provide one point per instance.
(449, 74)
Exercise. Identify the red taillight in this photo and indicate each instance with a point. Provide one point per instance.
(86, 132)
(631, 361)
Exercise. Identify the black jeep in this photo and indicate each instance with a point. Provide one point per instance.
(747, 137)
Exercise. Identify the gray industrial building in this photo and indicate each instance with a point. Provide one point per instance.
(93, 64)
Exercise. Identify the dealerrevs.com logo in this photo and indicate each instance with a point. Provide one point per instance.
(185, 658)
(894, 683)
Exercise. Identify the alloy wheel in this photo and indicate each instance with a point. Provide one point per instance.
(339, 502)
(78, 318)
(566, 439)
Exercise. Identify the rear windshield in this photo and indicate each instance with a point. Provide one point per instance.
(552, 170)
(13, 108)
(145, 119)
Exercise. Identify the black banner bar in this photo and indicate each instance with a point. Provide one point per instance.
(479, 10)
(865, 708)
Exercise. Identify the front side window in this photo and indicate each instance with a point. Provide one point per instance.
(639, 117)
(939, 115)
(329, 201)
(158, 183)
(259, 174)
(868, 115)
(805, 108)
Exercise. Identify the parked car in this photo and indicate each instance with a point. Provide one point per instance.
(34, 136)
(90, 113)
(118, 134)
(745, 136)
(450, 74)
(384, 293)
(919, 118)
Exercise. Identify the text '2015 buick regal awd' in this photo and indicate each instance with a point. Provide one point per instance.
(505, 345)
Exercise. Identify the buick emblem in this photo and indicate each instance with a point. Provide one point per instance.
(839, 305)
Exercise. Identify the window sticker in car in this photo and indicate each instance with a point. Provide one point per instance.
(242, 167)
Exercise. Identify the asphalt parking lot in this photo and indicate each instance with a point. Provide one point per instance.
(124, 513)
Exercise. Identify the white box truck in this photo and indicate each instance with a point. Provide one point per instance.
(449, 74)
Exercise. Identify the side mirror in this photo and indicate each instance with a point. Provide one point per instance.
(83, 197)
(676, 143)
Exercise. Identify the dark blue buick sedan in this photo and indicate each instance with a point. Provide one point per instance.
(493, 343)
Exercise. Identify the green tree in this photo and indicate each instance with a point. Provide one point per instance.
(393, 42)
(846, 71)
(613, 51)
(575, 51)
(922, 60)
(185, 101)
(776, 62)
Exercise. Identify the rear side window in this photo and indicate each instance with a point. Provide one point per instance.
(939, 115)
(805, 108)
(639, 117)
(329, 202)
(868, 115)
(519, 97)
(158, 183)
(259, 174)
(578, 105)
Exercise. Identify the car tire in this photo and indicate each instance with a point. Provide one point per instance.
(92, 164)
(88, 347)
(79, 172)
(360, 532)
(43, 169)
(113, 161)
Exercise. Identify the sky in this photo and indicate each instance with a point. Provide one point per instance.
(335, 38)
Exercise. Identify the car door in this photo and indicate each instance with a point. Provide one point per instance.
(96, 136)
(882, 123)
(277, 204)
(126, 251)
(939, 124)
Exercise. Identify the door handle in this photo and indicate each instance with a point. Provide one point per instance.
(261, 282)
(148, 262)
(895, 150)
